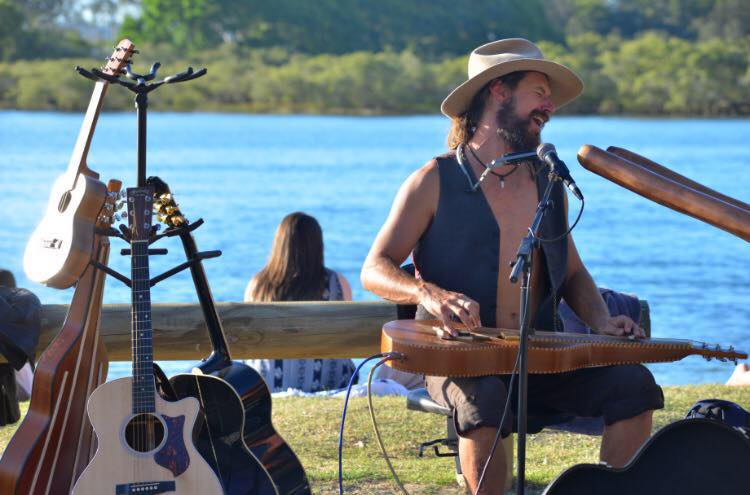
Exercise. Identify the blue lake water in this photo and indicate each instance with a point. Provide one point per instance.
(243, 173)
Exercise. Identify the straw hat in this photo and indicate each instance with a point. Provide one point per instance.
(502, 57)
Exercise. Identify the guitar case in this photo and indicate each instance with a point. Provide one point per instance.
(689, 457)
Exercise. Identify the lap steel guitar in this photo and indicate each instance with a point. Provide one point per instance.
(492, 351)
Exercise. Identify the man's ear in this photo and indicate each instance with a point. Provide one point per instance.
(499, 91)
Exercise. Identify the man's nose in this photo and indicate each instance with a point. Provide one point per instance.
(548, 106)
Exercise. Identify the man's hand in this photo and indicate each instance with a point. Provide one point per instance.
(621, 325)
(448, 306)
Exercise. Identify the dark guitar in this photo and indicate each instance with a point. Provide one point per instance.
(237, 439)
(688, 457)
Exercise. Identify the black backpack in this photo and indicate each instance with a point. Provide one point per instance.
(727, 412)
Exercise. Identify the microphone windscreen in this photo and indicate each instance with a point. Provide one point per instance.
(544, 149)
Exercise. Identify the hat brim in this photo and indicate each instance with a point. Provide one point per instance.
(565, 85)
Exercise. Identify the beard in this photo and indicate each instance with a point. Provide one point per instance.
(515, 130)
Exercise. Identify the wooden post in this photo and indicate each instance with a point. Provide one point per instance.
(254, 330)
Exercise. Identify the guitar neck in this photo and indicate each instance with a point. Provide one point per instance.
(77, 163)
(141, 330)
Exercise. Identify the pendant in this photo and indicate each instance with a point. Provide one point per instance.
(502, 183)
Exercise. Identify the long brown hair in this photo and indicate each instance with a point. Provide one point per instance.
(464, 125)
(295, 270)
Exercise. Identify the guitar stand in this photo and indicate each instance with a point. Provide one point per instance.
(142, 86)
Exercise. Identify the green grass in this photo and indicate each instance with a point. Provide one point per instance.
(311, 426)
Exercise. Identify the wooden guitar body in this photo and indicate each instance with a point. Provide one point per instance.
(54, 442)
(688, 457)
(62, 244)
(491, 351)
(173, 466)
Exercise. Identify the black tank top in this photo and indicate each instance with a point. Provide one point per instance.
(459, 249)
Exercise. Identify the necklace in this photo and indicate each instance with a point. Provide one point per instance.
(501, 177)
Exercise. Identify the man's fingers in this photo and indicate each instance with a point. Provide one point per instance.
(445, 317)
(638, 331)
(623, 325)
(473, 308)
(463, 315)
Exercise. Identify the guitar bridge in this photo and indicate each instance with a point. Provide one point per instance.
(145, 488)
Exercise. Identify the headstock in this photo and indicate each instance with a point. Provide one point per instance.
(120, 58)
(107, 213)
(140, 206)
(166, 208)
(711, 351)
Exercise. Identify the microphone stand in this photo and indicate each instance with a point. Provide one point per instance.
(522, 266)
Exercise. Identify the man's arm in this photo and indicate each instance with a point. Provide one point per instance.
(584, 298)
(412, 211)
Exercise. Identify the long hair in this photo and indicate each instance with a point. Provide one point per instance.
(465, 125)
(295, 270)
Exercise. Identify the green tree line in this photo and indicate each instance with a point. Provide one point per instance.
(34, 29)
(648, 57)
(652, 74)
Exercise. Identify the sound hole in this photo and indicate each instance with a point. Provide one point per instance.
(64, 202)
(144, 432)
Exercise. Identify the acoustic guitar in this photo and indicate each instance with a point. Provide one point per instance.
(237, 437)
(491, 351)
(62, 244)
(145, 442)
(54, 442)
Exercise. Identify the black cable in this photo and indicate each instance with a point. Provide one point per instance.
(567, 232)
(499, 428)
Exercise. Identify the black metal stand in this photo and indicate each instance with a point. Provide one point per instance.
(523, 266)
(142, 87)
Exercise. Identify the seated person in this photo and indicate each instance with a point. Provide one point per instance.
(462, 238)
(295, 272)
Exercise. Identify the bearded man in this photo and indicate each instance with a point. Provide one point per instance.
(463, 238)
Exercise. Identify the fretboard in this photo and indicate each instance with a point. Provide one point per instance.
(77, 163)
(141, 330)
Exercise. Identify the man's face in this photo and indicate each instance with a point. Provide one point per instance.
(521, 117)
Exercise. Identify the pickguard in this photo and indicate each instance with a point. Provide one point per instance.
(173, 455)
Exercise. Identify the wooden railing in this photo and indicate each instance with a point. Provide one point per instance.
(254, 330)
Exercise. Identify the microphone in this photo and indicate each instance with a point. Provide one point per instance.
(547, 153)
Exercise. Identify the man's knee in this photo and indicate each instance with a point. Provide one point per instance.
(634, 393)
(481, 404)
